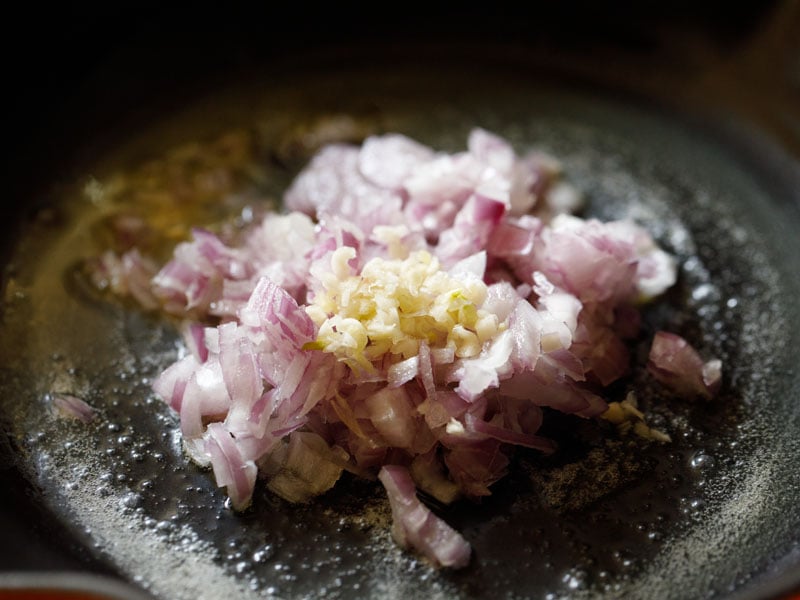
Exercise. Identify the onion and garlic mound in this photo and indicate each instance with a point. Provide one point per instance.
(407, 318)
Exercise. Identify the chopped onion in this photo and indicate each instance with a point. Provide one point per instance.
(230, 468)
(413, 310)
(72, 407)
(676, 364)
(303, 468)
(415, 526)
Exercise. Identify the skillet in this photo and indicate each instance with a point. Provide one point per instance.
(716, 510)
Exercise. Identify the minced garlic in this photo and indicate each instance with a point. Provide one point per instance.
(396, 304)
(627, 417)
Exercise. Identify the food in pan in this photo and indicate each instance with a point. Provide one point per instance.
(410, 316)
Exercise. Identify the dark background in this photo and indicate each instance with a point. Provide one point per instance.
(72, 70)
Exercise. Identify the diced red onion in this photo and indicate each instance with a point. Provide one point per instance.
(171, 384)
(476, 466)
(473, 266)
(509, 436)
(195, 340)
(387, 161)
(403, 371)
(510, 240)
(138, 272)
(391, 413)
(426, 371)
(525, 328)
(205, 394)
(485, 371)
(415, 526)
(73, 407)
(231, 471)
(676, 364)
(304, 468)
(272, 309)
(492, 150)
(333, 185)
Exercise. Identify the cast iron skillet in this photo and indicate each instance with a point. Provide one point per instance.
(714, 514)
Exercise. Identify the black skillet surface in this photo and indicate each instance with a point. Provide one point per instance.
(714, 512)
